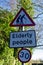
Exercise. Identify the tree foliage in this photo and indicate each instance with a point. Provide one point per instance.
(27, 4)
(6, 53)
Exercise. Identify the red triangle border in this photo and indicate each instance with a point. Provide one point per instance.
(11, 24)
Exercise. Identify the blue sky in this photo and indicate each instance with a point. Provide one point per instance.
(3, 3)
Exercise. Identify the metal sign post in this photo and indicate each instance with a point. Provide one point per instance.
(22, 29)
(22, 19)
(23, 64)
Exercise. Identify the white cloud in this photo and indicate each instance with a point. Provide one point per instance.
(37, 54)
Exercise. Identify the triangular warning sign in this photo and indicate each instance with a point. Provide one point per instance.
(22, 19)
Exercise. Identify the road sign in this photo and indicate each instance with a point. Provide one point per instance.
(22, 19)
(23, 39)
(24, 55)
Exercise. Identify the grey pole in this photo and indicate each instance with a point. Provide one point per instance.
(21, 28)
(22, 63)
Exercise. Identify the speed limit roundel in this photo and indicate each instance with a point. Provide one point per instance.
(24, 55)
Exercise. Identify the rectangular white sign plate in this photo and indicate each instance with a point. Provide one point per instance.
(23, 39)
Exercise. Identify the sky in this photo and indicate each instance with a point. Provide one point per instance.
(37, 54)
(38, 51)
(4, 4)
